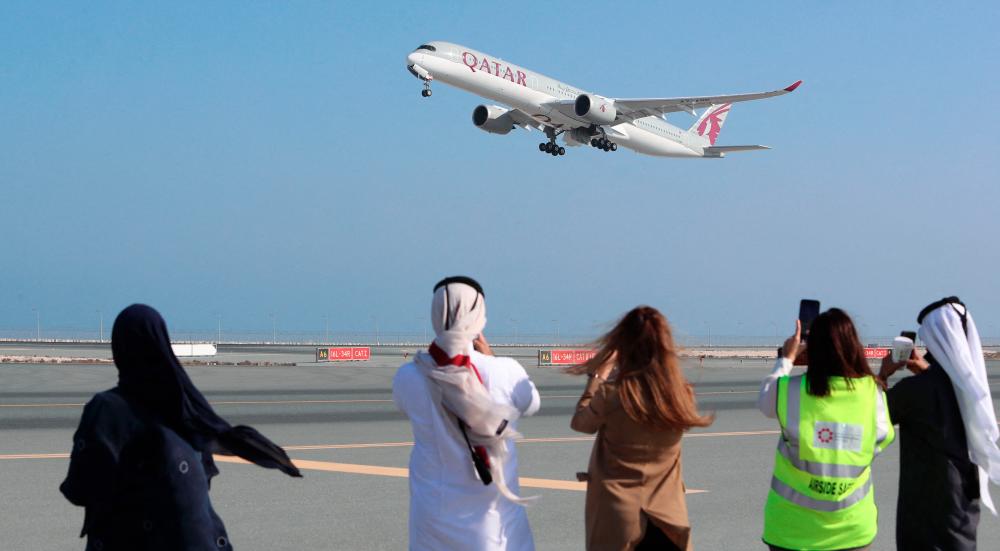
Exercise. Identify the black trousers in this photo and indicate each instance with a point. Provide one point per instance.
(655, 540)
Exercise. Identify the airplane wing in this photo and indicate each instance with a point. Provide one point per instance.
(525, 120)
(632, 109)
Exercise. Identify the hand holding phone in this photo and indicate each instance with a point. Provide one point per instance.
(902, 347)
(790, 349)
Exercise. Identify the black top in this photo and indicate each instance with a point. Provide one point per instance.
(143, 486)
(938, 507)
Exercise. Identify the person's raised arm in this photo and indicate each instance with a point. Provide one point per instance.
(767, 398)
(590, 412)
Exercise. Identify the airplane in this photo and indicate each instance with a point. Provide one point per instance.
(534, 100)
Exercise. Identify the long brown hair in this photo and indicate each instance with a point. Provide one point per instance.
(651, 387)
(834, 350)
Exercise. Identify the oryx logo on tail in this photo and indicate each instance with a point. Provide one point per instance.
(710, 123)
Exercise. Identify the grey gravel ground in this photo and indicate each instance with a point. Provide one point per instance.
(330, 510)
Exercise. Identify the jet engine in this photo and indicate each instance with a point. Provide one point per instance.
(595, 109)
(492, 119)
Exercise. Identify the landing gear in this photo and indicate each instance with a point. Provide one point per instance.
(551, 148)
(426, 92)
(604, 144)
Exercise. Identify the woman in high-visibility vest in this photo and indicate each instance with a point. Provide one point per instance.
(834, 421)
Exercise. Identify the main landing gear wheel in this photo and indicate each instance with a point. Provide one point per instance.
(604, 144)
(551, 148)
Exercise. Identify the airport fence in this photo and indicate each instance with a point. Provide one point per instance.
(399, 338)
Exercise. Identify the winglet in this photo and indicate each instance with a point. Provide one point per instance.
(794, 86)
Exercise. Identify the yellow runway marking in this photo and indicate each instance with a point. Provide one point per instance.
(521, 441)
(226, 403)
(352, 401)
(397, 472)
(408, 444)
(36, 456)
(41, 405)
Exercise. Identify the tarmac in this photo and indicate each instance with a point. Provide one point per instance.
(340, 425)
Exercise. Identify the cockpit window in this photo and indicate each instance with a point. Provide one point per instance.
(427, 47)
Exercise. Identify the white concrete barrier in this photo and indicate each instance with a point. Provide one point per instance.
(191, 350)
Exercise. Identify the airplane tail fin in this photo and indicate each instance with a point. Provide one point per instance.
(710, 123)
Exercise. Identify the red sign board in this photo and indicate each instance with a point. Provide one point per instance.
(876, 353)
(565, 357)
(343, 354)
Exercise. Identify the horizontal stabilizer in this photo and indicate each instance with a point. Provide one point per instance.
(721, 150)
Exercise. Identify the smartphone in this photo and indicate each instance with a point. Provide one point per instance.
(902, 347)
(808, 311)
(912, 335)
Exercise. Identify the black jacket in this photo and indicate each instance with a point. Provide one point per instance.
(938, 507)
(143, 486)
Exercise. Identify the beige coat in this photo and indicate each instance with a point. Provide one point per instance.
(634, 475)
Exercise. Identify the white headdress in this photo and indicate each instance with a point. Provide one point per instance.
(949, 332)
(458, 314)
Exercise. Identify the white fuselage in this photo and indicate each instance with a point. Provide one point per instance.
(534, 93)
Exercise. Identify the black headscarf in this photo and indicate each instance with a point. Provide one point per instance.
(150, 377)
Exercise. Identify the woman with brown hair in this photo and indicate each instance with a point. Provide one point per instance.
(834, 421)
(635, 491)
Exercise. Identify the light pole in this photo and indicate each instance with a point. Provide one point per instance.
(557, 330)
(274, 328)
(709, 326)
(776, 341)
(218, 335)
(326, 328)
(514, 321)
(38, 324)
(375, 320)
(100, 316)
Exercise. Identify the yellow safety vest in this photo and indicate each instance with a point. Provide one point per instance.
(821, 495)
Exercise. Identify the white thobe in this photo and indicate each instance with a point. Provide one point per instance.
(450, 509)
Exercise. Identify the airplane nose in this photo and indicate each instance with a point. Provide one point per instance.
(414, 58)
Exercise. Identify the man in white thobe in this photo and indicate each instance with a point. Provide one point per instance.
(450, 508)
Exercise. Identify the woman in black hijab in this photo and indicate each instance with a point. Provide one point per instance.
(142, 456)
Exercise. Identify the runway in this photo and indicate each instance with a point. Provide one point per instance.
(341, 427)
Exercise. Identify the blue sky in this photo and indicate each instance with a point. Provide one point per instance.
(243, 159)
